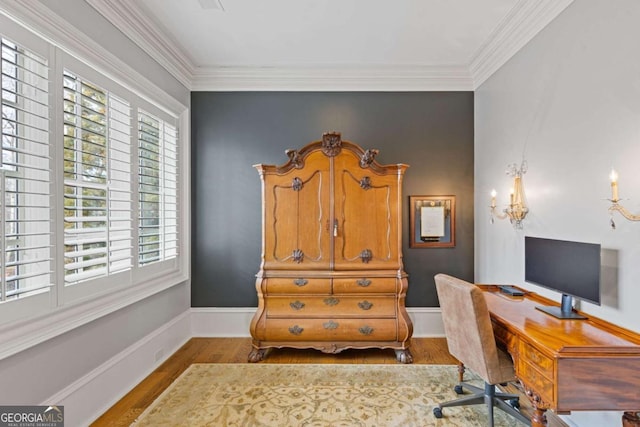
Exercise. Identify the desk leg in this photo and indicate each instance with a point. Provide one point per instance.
(631, 419)
(539, 416)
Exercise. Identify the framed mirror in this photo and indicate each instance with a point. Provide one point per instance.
(433, 221)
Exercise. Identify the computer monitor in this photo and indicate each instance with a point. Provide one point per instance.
(571, 268)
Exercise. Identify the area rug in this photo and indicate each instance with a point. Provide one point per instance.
(276, 395)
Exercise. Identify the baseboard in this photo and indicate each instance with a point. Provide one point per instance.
(235, 322)
(91, 395)
(427, 322)
(221, 321)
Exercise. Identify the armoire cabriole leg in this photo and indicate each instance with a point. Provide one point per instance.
(631, 419)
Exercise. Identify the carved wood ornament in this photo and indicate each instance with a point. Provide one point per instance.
(331, 143)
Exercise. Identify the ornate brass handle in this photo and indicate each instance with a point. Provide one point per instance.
(296, 184)
(366, 330)
(330, 325)
(298, 255)
(300, 282)
(296, 330)
(331, 301)
(366, 255)
(297, 305)
(365, 305)
(363, 282)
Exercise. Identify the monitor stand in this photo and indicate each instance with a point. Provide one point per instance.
(565, 311)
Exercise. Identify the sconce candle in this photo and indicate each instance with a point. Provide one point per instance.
(493, 198)
(613, 176)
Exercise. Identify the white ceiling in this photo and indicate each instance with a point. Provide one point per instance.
(331, 44)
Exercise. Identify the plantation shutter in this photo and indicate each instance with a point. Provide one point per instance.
(25, 215)
(97, 195)
(158, 208)
(120, 201)
(170, 200)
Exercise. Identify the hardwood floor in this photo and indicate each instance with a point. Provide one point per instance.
(235, 350)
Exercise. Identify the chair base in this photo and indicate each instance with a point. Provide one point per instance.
(489, 396)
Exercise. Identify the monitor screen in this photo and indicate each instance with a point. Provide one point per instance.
(571, 268)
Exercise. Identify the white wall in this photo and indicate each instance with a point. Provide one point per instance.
(34, 375)
(570, 101)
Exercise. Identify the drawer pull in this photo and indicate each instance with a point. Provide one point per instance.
(297, 305)
(365, 305)
(330, 325)
(366, 330)
(331, 301)
(296, 330)
(363, 282)
(300, 282)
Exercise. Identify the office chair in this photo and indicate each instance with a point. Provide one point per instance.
(470, 338)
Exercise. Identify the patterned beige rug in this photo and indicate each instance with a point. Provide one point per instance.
(276, 395)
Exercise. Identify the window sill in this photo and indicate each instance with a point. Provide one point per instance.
(18, 336)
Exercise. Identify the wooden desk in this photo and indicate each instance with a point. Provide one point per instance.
(568, 365)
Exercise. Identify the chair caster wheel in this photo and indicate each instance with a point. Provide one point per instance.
(514, 403)
(458, 389)
(437, 412)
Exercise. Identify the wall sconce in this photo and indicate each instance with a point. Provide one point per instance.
(613, 176)
(517, 209)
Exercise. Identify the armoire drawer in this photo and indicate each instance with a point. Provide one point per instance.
(331, 329)
(330, 305)
(377, 285)
(297, 285)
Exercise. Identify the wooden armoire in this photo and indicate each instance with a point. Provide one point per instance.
(331, 274)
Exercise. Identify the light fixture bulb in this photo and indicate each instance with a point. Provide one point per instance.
(613, 176)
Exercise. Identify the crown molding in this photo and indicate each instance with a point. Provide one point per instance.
(371, 78)
(41, 20)
(522, 23)
(133, 22)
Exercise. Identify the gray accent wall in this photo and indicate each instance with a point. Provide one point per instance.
(432, 132)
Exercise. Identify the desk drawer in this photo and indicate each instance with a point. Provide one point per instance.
(535, 380)
(528, 354)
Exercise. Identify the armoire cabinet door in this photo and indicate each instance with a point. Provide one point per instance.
(366, 211)
(298, 226)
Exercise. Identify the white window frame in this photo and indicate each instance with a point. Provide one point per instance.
(137, 274)
(32, 320)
